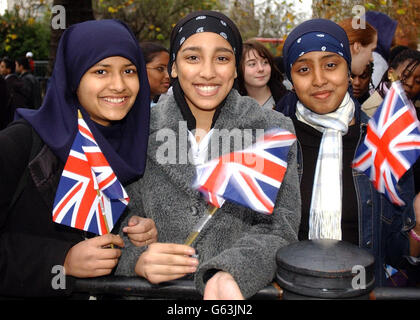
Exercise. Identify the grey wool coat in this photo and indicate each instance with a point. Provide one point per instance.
(236, 240)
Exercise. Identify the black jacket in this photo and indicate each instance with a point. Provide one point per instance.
(31, 244)
(32, 90)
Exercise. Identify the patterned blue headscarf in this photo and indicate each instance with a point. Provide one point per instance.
(315, 35)
(193, 23)
(205, 21)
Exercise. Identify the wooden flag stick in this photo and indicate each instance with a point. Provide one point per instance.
(103, 213)
(200, 225)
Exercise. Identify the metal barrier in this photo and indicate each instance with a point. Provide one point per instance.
(185, 290)
(136, 286)
(312, 269)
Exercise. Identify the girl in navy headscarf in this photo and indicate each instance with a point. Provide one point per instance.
(99, 70)
(337, 202)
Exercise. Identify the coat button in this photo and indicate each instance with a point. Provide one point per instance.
(194, 211)
(369, 202)
(369, 244)
(408, 220)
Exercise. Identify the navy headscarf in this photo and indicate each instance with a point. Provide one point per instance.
(385, 27)
(315, 35)
(81, 46)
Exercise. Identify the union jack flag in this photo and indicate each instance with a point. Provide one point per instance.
(89, 196)
(391, 145)
(249, 177)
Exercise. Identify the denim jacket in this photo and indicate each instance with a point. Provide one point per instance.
(383, 227)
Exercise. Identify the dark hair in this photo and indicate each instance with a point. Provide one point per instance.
(275, 83)
(24, 62)
(279, 63)
(10, 64)
(151, 50)
(395, 51)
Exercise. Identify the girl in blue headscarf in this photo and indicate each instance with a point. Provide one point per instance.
(337, 202)
(99, 70)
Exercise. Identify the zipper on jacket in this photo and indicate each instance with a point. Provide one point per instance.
(359, 205)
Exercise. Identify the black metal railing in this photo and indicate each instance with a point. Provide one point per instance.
(185, 289)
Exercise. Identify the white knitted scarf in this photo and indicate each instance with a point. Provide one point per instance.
(326, 202)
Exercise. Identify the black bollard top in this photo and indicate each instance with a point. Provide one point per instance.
(328, 269)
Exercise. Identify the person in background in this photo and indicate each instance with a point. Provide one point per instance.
(157, 58)
(406, 66)
(362, 44)
(337, 201)
(103, 77)
(4, 104)
(30, 56)
(361, 84)
(234, 255)
(386, 27)
(15, 88)
(258, 75)
(32, 87)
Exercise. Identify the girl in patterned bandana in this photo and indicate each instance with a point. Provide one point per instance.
(338, 203)
(236, 249)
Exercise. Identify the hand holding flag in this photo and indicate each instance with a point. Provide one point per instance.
(89, 196)
(391, 145)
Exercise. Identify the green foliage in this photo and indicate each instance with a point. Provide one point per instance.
(19, 35)
(151, 20)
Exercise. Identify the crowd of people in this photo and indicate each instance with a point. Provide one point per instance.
(321, 89)
(19, 88)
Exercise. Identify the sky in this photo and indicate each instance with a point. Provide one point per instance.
(3, 5)
(305, 6)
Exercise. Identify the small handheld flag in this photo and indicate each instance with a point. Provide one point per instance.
(251, 177)
(391, 145)
(89, 196)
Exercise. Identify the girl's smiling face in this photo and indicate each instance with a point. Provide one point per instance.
(320, 80)
(108, 90)
(257, 70)
(410, 78)
(205, 68)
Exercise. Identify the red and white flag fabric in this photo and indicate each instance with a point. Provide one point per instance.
(89, 196)
(391, 145)
(251, 177)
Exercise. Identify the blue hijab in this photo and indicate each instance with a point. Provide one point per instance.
(81, 46)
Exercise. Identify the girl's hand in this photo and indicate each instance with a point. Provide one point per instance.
(222, 286)
(141, 231)
(166, 261)
(93, 257)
